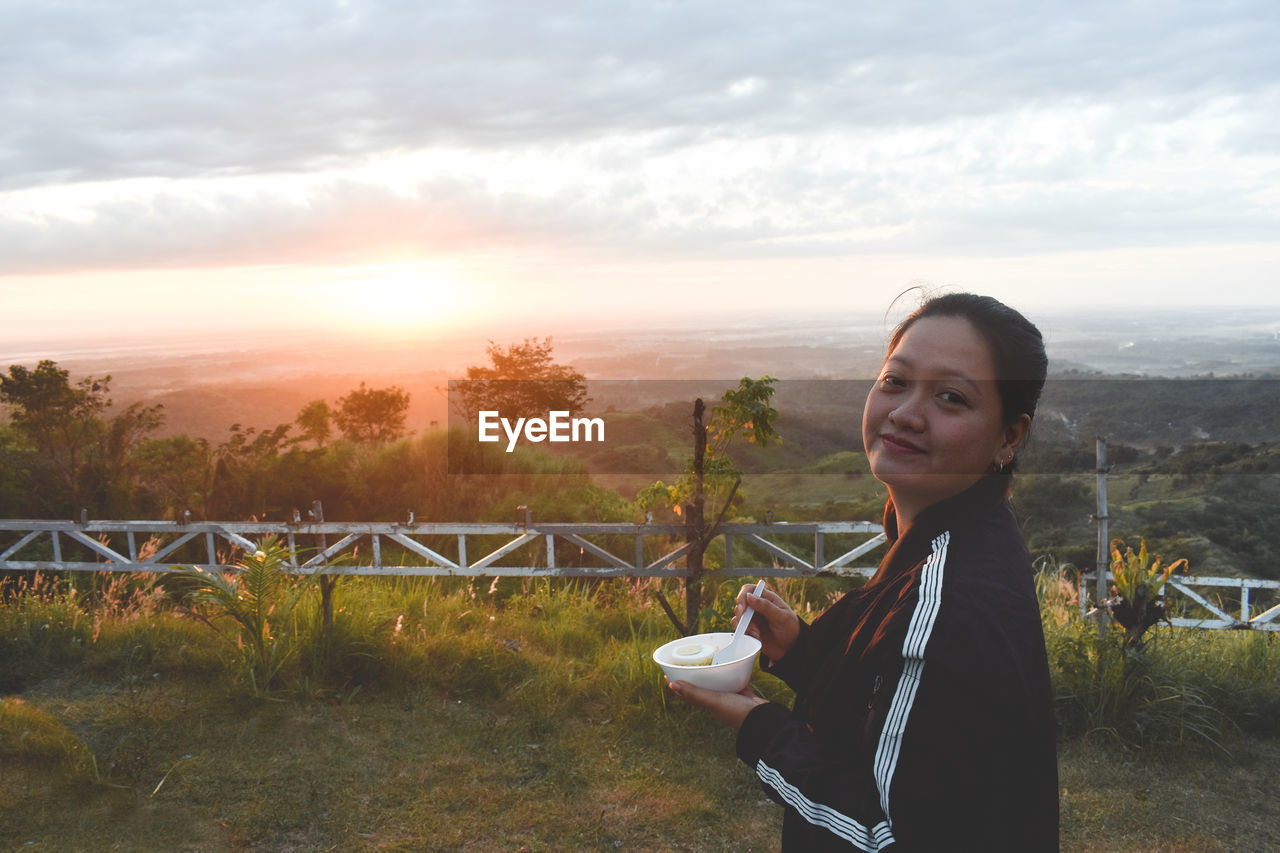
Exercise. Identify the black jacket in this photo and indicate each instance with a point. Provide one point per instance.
(923, 718)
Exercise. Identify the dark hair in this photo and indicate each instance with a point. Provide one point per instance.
(1017, 347)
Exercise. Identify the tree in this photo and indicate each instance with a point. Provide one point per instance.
(176, 472)
(314, 421)
(59, 422)
(372, 414)
(244, 473)
(744, 413)
(523, 381)
(14, 485)
(82, 460)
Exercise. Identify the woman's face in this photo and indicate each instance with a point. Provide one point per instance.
(933, 423)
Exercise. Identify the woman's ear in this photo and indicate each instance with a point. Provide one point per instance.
(1015, 434)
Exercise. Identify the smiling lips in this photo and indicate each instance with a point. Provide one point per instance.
(899, 444)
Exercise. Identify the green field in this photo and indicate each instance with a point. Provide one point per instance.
(528, 716)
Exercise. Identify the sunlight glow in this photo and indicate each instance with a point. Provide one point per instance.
(399, 298)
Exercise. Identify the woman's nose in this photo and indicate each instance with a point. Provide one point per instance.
(907, 416)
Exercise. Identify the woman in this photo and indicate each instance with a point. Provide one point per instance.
(923, 718)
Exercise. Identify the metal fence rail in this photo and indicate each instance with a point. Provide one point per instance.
(529, 549)
(1196, 610)
(437, 549)
(1217, 617)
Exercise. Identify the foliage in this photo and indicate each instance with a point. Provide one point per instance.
(244, 471)
(374, 415)
(711, 481)
(743, 413)
(314, 421)
(42, 627)
(719, 475)
(522, 381)
(80, 459)
(176, 474)
(47, 409)
(1138, 697)
(1138, 603)
(260, 599)
(14, 484)
(1139, 575)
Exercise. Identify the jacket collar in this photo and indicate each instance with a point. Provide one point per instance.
(975, 500)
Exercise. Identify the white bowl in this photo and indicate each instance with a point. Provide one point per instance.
(729, 677)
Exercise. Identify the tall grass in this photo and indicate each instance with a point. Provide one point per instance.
(532, 706)
(541, 648)
(43, 627)
(1182, 687)
(123, 625)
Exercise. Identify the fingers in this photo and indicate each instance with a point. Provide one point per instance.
(730, 708)
(748, 598)
(694, 695)
(772, 599)
(771, 609)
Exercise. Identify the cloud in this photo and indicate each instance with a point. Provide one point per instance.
(152, 134)
(1053, 180)
(152, 88)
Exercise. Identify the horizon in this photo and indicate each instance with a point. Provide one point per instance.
(1157, 342)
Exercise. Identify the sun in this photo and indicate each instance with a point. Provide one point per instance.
(403, 297)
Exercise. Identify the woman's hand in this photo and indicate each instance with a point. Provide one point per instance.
(775, 624)
(729, 708)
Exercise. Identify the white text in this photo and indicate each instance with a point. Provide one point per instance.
(557, 426)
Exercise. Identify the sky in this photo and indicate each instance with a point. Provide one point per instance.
(383, 167)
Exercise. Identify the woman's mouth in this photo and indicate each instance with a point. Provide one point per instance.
(901, 445)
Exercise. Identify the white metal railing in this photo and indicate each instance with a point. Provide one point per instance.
(1198, 611)
(436, 549)
(523, 549)
(1188, 601)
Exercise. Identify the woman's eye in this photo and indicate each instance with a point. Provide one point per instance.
(891, 381)
(954, 398)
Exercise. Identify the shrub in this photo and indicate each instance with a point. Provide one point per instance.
(260, 600)
(1139, 696)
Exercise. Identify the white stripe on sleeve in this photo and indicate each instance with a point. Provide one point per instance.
(868, 839)
(895, 724)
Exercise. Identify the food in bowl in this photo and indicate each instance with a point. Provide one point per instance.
(693, 654)
(694, 665)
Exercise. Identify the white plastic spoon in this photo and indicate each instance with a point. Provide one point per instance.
(726, 654)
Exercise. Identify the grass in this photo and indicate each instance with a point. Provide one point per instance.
(1179, 687)
(1189, 801)
(522, 715)
(416, 771)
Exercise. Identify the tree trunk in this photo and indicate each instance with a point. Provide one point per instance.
(695, 525)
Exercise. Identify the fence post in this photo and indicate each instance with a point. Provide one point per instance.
(1104, 542)
(327, 581)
